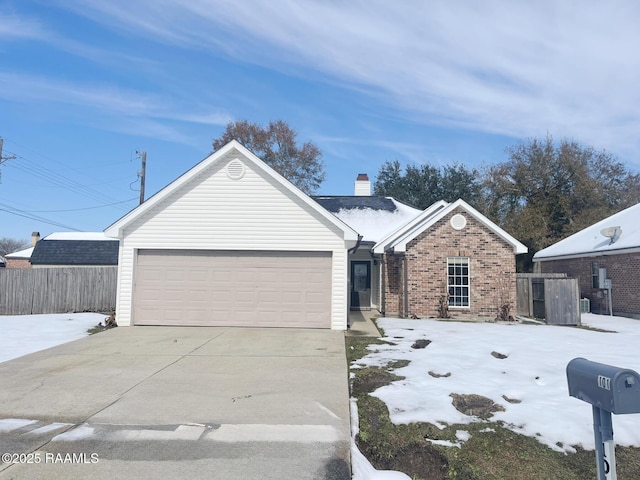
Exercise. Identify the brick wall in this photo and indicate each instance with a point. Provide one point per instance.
(393, 291)
(18, 263)
(491, 268)
(624, 272)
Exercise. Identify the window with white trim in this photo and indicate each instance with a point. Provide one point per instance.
(458, 281)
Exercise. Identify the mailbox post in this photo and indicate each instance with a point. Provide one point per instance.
(609, 390)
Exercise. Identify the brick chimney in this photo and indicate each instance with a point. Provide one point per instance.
(362, 186)
(35, 236)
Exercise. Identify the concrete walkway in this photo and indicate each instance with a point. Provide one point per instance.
(361, 324)
(165, 402)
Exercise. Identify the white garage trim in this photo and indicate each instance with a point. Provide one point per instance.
(233, 288)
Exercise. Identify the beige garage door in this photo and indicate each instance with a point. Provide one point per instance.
(223, 288)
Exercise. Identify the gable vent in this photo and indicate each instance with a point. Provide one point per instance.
(235, 169)
(458, 222)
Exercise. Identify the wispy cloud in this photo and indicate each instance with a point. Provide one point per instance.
(514, 68)
(141, 112)
(14, 26)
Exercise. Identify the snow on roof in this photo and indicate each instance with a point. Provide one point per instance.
(94, 236)
(374, 225)
(591, 242)
(26, 253)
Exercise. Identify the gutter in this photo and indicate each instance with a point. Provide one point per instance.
(619, 251)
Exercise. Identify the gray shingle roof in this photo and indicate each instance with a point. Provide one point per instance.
(336, 203)
(75, 252)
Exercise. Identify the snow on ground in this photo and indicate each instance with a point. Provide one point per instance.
(534, 372)
(23, 334)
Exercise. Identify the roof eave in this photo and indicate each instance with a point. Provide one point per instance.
(618, 251)
(399, 243)
(389, 242)
(115, 230)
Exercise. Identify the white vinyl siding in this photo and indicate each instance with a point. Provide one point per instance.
(214, 212)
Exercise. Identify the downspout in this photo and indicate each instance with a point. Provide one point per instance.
(406, 286)
(383, 284)
(351, 250)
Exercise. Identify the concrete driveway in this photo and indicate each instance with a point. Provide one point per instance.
(179, 402)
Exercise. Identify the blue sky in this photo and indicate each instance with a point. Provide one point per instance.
(86, 84)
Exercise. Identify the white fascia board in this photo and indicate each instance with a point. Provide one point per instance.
(518, 247)
(592, 254)
(400, 244)
(384, 244)
(115, 230)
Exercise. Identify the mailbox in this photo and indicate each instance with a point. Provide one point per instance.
(609, 390)
(616, 390)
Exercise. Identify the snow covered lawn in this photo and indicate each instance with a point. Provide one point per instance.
(23, 334)
(460, 360)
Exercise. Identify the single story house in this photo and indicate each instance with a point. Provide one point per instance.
(75, 249)
(231, 242)
(605, 258)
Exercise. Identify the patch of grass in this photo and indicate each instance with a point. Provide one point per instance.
(357, 347)
(492, 453)
(97, 329)
(397, 447)
(475, 405)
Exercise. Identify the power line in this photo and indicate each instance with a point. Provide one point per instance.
(4, 158)
(50, 176)
(21, 213)
(31, 167)
(85, 208)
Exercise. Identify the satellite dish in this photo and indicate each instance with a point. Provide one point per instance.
(612, 233)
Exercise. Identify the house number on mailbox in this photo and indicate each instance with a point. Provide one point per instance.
(604, 382)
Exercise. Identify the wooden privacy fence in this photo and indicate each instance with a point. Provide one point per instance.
(551, 296)
(57, 290)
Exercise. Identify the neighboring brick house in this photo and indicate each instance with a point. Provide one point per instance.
(22, 258)
(612, 244)
(19, 259)
(412, 262)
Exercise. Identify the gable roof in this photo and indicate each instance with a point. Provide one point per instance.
(76, 248)
(372, 217)
(591, 242)
(115, 230)
(397, 240)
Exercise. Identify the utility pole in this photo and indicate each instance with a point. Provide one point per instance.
(142, 173)
(4, 159)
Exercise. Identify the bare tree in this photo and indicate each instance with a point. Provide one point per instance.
(276, 145)
(10, 245)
